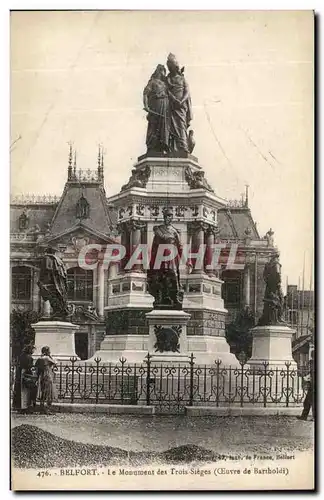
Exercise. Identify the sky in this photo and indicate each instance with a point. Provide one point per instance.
(79, 77)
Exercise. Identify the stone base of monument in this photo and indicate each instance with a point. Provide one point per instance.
(208, 349)
(58, 336)
(168, 335)
(113, 348)
(272, 344)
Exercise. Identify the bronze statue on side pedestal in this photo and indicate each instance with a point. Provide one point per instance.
(273, 298)
(53, 284)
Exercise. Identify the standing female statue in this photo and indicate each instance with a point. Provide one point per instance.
(180, 106)
(273, 297)
(156, 103)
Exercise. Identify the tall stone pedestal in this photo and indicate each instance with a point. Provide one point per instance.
(208, 349)
(168, 335)
(58, 336)
(272, 344)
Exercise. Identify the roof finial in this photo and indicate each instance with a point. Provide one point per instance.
(70, 162)
(100, 163)
(99, 156)
(75, 164)
(247, 195)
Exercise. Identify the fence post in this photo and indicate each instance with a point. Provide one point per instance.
(265, 385)
(73, 360)
(60, 391)
(287, 384)
(148, 379)
(122, 360)
(97, 361)
(242, 381)
(191, 373)
(218, 362)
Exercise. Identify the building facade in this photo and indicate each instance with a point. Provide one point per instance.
(114, 301)
(300, 315)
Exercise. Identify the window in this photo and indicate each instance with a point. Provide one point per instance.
(231, 289)
(21, 283)
(80, 284)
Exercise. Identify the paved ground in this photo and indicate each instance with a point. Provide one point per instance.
(158, 433)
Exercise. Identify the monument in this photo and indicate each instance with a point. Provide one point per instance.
(167, 321)
(54, 330)
(272, 337)
(168, 312)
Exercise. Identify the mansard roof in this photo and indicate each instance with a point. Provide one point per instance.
(56, 217)
(39, 214)
(236, 222)
(100, 217)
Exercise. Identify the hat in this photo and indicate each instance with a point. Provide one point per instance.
(167, 211)
(172, 59)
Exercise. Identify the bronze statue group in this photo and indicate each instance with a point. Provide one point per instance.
(167, 101)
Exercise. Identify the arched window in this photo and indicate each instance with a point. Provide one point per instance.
(80, 284)
(21, 283)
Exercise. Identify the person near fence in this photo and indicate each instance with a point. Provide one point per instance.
(309, 401)
(26, 382)
(46, 390)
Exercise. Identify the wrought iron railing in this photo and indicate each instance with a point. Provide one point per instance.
(32, 199)
(172, 387)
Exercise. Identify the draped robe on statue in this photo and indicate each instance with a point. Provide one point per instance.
(53, 284)
(157, 137)
(180, 115)
(164, 283)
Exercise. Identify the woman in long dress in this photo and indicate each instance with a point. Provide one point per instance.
(180, 107)
(156, 103)
(46, 389)
(25, 385)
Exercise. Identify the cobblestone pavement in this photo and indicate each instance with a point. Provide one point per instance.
(158, 433)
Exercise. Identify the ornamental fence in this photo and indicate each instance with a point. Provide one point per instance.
(172, 387)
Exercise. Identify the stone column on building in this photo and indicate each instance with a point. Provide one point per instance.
(135, 228)
(35, 292)
(210, 240)
(255, 285)
(247, 285)
(95, 286)
(124, 241)
(112, 273)
(198, 237)
(101, 289)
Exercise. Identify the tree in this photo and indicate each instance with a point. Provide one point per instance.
(238, 333)
(21, 331)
